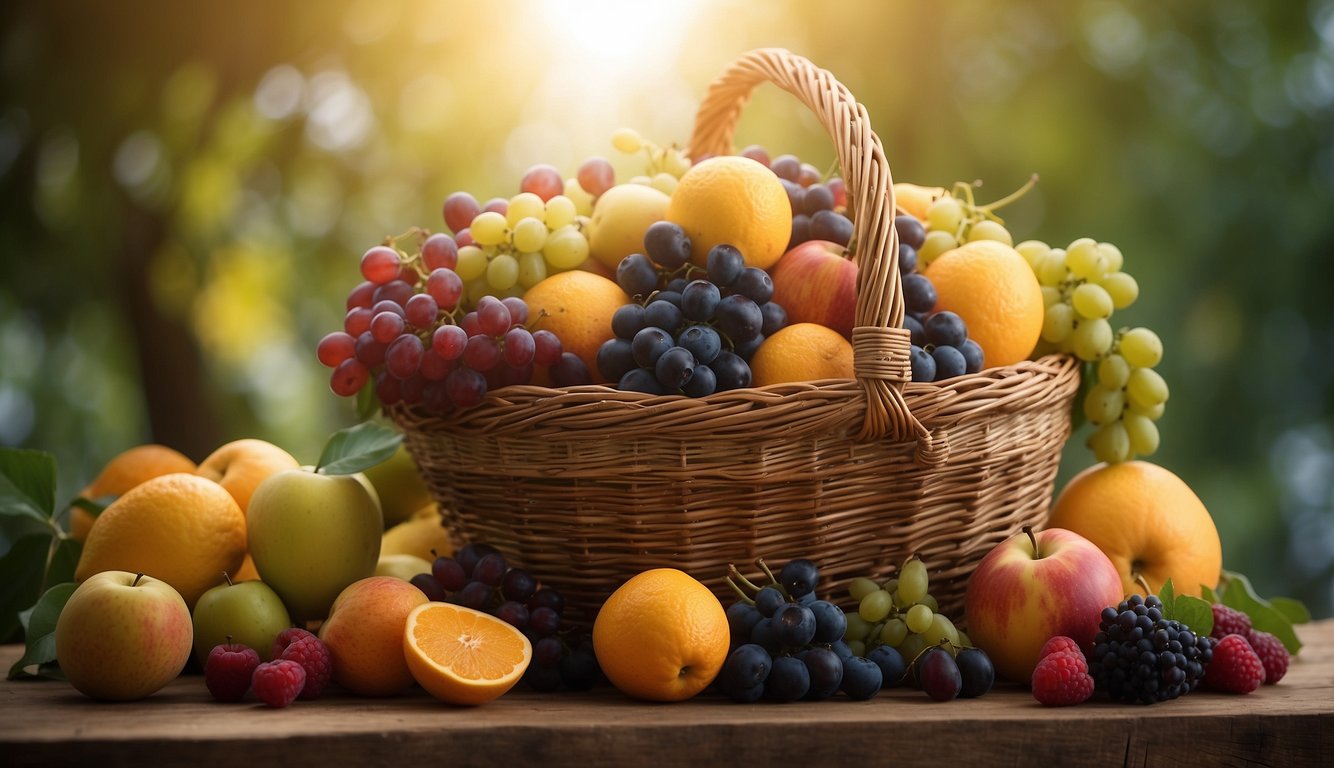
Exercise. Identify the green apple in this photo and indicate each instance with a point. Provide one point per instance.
(312, 534)
(249, 612)
(123, 636)
(399, 486)
(401, 566)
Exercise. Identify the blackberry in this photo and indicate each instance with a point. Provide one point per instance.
(1139, 656)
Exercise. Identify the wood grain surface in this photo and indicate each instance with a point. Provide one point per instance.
(1290, 724)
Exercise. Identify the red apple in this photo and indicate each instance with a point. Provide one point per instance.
(816, 282)
(1033, 586)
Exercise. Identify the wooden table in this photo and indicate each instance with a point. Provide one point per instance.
(1290, 724)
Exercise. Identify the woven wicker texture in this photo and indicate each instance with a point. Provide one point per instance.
(587, 486)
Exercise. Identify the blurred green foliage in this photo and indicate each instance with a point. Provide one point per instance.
(185, 190)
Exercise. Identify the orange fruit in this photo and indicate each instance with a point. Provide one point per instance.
(123, 472)
(240, 466)
(578, 307)
(994, 290)
(801, 352)
(1147, 521)
(364, 633)
(915, 200)
(178, 528)
(463, 656)
(734, 200)
(661, 636)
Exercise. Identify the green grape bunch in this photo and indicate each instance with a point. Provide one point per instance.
(900, 613)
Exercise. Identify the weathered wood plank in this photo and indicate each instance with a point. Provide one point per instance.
(46, 723)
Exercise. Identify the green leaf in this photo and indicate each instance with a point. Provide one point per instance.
(63, 561)
(1168, 595)
(40, 649)
(93, 507)
(27, 483)
(1210, 595)
(1195, 613)
(21, 573)
(358, 448)
(1291, 609)
(1239, 594)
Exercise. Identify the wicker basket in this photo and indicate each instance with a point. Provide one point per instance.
(587, 486)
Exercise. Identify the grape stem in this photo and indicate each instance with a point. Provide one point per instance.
(772, 579)
(732, 572)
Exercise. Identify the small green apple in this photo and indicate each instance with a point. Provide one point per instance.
(249, 612)
(311, 534)
(123, 636)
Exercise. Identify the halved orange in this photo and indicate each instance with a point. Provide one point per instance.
(463, 656)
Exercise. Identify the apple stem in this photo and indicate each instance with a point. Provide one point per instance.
(137, 576)
(228, 577)
(1028, 529)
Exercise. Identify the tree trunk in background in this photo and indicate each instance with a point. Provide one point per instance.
(178, 403)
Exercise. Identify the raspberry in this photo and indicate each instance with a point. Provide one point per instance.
(1229, 621)
(1273, 655)
(313, 655)
(286, 638)
(1062, 679)
(1235, 668)
(1060, 644)
(277, 683)
(228, 669)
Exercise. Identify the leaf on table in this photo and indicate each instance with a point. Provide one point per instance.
(358, 448)
(22, 570)
(40, 623)
(27, 483)
(1293, 610)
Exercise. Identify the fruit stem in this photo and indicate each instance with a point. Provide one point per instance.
(137, 576)
(772, 579)
(1143, 582)
(734, 573)
(1010, 198)
(741, 593)
(1028, 529)
(228, 577)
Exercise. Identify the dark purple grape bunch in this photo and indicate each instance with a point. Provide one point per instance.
(407, 335)
(819, 205)
(478, 576)
(691, 331)
(941, 348)
(787, 644)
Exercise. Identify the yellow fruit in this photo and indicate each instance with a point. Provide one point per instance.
(463, 656)
(125, 471)
(401, 566)
(916, 200)
(240, 466)
(734, 200)
(178, 528)
(364, 632)
(399, 486)
(422, 537)
(994, 290)
(1147, 521)
(620, 217)
(578, 307)
(661, 636)
(801, 352)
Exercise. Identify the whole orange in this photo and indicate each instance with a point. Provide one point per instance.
(178, 528)
(994, 290)
(801, 352)
(1147, 521)
(126, 470)
(734, 200)
(661, 636)
(578, 306)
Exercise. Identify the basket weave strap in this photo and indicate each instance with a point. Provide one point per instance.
(880, 347)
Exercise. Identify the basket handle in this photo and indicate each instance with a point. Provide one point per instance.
(880, 347)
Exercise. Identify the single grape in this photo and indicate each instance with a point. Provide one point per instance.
(976, 672)
(546, 597)
(911, 232)
(746, 667)
(1142, 434)
(1084, 259)
(482, 353)
(831, 226)
(1091, 339)
(449, 572)
(627, 140)
(429, 586)
(731, 371)
(941, 629)
(421, 310)
(336, 347)
(861, 678)
(724, 264)
(738, 318)
(636, 275)
(1058, 322)
(674, 367)
(741, 619)
(449, 341)
(546, 348)
(518, 309)
(768, 600)
(1121, 287)
(640, 380)
(830, 623)
(502, 273)
(403, 356)
(491, 569)
(1103, 405)
(875, 606)
(524, 205)
(474, 595)
(439, 251)
(923, 364)
(667, 244)
(627, 320)
(1110, 443)
(861, 587)
(615, 358)
(380, 264)
(757, 153)
(794, 624)
(799, 577)
(973, 357)
(702, 382)
(701, 341)
(489, 228)
(570, 371)
(465, 387)
(817, 197)
(774, 318)
(349, 377)
(361, 296)
(755, 284)
(913, 581)
(543, 620)
(596, 175)
(513, 613)
(891, 664)
(530, 234)
(650, 344)
(460, 209)
(808, 176)
(907, 259)
(1141, 348)
(518, 347)
(893, 632)
(1146, 387)
(566, 248)
(938, 674)
(950, 362)
(1113, 372)
(936, 243)
(699, 300)
(547, 652)
(388, 389)
(387, 326)
(357, 321)
(542, 180)
(990, 230)
(825, 670)
(918, 618)
(786, 167)
(1091, 301)
(788, 680)
(945, 213)
(919, 295)
(945, 328)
